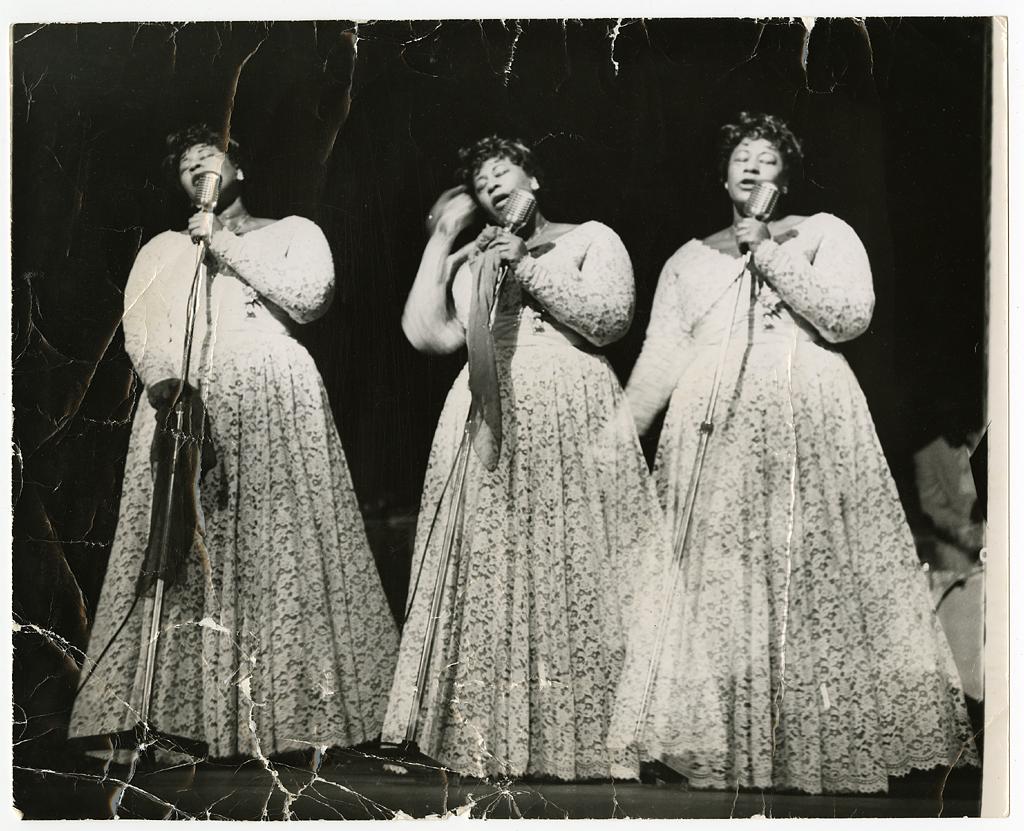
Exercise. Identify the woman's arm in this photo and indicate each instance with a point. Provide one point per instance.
(429, 319)
(288, 262)
(155, 302)
(596, 299)
(832, 290)
(662, 358)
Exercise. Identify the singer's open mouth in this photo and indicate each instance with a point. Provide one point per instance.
(500, 200)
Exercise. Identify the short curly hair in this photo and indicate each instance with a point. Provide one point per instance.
(473, 156)
(762, 126)
(193, 134)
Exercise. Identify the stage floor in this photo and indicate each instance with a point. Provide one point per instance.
(350, 785)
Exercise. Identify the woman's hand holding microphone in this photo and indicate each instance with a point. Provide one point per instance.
(202, 225)
(455, 210)
(510, 248)
(750, 233)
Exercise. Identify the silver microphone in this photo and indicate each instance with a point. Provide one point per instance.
(515, 215)
(761, 201)
(207, 185)
(518, 210)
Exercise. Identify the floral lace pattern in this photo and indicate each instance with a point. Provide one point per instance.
(824, 276)
(557, 287)
(559, 544)
(294, 280)
(278, 635)
(802, 650)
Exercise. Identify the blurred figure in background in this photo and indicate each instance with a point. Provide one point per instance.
(952, 542)
(947, 493)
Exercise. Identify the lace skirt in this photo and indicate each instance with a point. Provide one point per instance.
(544, 579)
(278, 635)
(802, 650)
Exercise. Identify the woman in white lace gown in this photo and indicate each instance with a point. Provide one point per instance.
(802, 650)
(561, 521)
(277, 636)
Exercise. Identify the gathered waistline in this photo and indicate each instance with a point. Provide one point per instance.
(254, 329)
(783, 335)
(518, 336)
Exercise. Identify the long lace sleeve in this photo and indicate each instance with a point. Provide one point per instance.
(288, 262)
(830, 285)
(429, 319)
(155, 301)
(595, 299)
(662, 358)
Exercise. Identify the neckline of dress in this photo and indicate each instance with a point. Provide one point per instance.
(714, 250)
(554, 240)
(717, 251)
(250, 231)
(257, 227)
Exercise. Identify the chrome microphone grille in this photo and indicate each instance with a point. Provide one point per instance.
(207, 186)
(518, 210)
(762, 201)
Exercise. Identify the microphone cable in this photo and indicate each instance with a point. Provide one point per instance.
(106, 649)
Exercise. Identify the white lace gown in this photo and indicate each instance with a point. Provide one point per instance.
(802, 650)
(559, 542)
(278, 636)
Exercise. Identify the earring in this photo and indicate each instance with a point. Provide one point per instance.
(240, 175)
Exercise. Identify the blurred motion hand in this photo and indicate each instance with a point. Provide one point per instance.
(452, 213)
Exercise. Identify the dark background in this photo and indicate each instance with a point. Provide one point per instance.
(357, 129)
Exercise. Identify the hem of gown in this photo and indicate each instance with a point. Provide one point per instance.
(617, 770)
(873, 784)
(169, 758)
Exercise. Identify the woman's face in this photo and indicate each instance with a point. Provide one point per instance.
(202, 158)
(753, 161)
(494, 182)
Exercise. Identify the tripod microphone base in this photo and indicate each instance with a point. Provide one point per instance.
(142, 738)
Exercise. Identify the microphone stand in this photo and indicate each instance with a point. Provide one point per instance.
(760, 205)
(683, 528)
(144, 737)
(183, 420)
(455, 519)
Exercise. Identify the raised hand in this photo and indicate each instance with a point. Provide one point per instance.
(452, 213)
